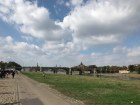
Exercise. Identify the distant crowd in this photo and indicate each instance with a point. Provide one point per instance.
(5, 73)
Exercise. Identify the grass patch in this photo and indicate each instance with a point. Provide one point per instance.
(92, 90)
(133, 75)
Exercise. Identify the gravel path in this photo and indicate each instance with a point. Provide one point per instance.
(34, 93)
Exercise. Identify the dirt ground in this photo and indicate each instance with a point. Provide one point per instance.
(34, 93)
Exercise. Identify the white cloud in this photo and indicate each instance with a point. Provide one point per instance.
(22, 52)
(55, 8)
(82, 57)
(120, 49)
(34, 20)
(54, 47)
(60, 2)
(96, 41)
(30, 49)
(88, 25)
(113, 59)
(67, 4)
(121, 56)
(10, 40)
(76, 2)
(9, 53)
(101, 59)
(63, 49)
(98, 23)
(30, 54)
(4, 9)
(28, 38)
(103, 23)
(135, 52)
(96, 55)
(8, 44)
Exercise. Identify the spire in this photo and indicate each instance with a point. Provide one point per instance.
(37, 65)
(81, 63)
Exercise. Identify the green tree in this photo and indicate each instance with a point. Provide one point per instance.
(113, 67)
(108, 67)
(3, 64)
(75, 66)
(99, 68)
(124, 67)
(131, 67)
(14, 64)
(137, 69)
(92, 66)
(104, 67)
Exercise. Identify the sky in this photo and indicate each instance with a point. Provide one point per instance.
(67, 32)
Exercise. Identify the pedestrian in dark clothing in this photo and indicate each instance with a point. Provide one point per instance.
(0, 74)
(4, 74)
(13, 74)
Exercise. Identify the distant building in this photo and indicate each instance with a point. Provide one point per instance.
(81, 65)
(37, 65)
(136, 64)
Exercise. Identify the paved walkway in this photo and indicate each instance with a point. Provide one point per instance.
(35, 93)
(26, 91)
(8, 90)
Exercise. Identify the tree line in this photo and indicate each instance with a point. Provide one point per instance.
(130, 67)
(9, 64)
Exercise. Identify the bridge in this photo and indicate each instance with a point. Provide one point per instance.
(68, 70)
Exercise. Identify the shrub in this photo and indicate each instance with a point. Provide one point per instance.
(137, 69)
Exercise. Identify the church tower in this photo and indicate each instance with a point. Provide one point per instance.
(37, 65)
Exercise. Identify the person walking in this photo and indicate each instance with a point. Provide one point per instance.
(7, 74)
(0, 74)
(43, 74)
(13, 74)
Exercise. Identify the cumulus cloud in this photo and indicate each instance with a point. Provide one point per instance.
(134, 52)
(8, 53)
(67, 4)
(28, 38)
(98, 23)
(101, 59)
(82, 57)
(8, 44)
(33, 20)
(10, 40)
(63, 49)
(121, 56)
(96, 55)
(22, 52)
(60, 2)
(54, 47)
(4, 9)
(88, 24)
(76, 2)
(120, 49)
(30, 54)
(103, 22)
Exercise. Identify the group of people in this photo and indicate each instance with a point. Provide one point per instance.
(5, 73)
